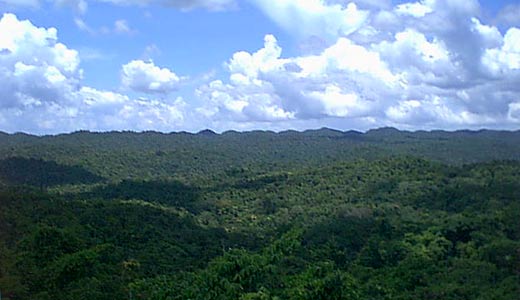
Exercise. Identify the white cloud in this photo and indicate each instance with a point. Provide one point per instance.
(42, 91)
(418, 65)
(415, 9)
(404, 110)
(427, 64)
(314, 17)
(346, 55)
(490, 36)
(91, 109)
(336, 103)
(105, 110)
(416, 58)
(506, 58)
(265, 87)
(264, 60)
(514, 112)
(432, 111)
(146, 77)
(80, 23)
(122, 26)
(34, 66)
(247, 96)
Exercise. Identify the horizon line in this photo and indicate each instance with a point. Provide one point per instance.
(208, 131)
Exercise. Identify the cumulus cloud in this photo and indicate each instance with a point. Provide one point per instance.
(34, 66)
(106, 110)
(501, 60)
(146, 77)
(265, 87)
(514, 112)
(314, 17)
(423, 64)
(42, 90)
(415, 9)
(247, 96)
(426, 64)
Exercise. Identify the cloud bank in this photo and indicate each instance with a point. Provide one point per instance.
(42, 92)
(417, 65)
(427, 64)
(145, 77)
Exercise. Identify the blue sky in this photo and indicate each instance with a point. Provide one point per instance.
(172, 65)
(192, 43)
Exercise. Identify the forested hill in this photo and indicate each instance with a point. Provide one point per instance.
(313, 215)
(120, 155)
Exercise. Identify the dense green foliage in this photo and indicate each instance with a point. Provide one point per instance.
(314, 215)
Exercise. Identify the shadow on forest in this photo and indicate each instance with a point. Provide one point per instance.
(41, 173)
(171, 193)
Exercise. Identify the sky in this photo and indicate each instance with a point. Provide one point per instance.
(188, 65)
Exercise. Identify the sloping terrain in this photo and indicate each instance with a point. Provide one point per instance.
(260, 215)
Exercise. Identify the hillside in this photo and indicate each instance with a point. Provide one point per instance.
(320, 214)
(122, 155)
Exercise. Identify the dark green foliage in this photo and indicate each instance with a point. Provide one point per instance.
(40, 173)
(322, 214)
(170, 193)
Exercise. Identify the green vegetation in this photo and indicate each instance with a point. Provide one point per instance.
(315, 215)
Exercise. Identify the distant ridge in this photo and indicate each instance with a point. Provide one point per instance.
(385, 130)
(324, 131)
(207, 132)
(184, 152)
